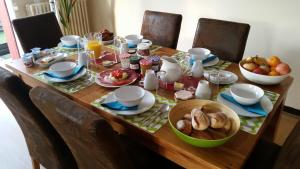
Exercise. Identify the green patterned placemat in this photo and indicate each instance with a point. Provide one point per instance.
(180, 57)
(69, 87)
(141, 120)
(252, 124)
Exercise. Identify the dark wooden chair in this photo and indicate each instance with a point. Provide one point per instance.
(225, 39)
(268, 155)
(91, 139)
(161, 28)
(38, 31)
(45, 145)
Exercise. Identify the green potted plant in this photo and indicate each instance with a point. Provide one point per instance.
(65, 10)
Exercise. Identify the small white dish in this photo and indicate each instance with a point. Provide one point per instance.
(70, 40)
(58, 80)
(133, 40)
(129, 95)
(265, 103)
(246, 94)
(54, 59)
(63, 69)
(146, 103)
(199, 53)
(147, 41)
(60, 45)
(226, 77)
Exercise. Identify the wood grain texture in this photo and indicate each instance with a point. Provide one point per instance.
(231, 155)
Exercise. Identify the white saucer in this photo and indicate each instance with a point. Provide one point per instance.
(265, 102)
(57, 80)
(212, 63)
(226, 77)
(60, 45)
(147, 41)
(147, 103)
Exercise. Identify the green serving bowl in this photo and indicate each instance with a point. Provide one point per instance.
(186, 107)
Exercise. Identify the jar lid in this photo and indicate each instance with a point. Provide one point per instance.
(145, 62)
(131, 51)
(124, 55)
(154, 58)
(134, 59)
(143, 46)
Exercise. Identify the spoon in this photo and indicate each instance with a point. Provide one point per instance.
(163, 109)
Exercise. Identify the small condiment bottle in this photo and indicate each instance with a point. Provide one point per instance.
(143, 50)
(155, 62)
(145, 65)
(134, 63)
(124, 58)
(27, 59)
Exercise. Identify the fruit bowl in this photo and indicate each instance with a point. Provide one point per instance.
(261, 79)
(184, 107)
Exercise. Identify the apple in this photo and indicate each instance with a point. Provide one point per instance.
(265, 68)
(283, 68)
(250, 66)
(259, 71)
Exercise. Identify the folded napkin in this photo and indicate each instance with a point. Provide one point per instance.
(255, 108)
(118, 106)
(210, 58)
(77, 70)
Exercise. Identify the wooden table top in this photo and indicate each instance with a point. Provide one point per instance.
(232, 154)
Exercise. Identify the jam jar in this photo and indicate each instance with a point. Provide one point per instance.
(124, 58)
(143, 50)
(134, 63)
(145, 65)
(155, 62)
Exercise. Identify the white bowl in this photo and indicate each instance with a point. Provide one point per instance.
(199, 53)
(133, 40)
(63, 69)
(261, 79)
(69, 40)
(246, 94)
(129, 95)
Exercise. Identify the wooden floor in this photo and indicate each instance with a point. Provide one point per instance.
(14, 153)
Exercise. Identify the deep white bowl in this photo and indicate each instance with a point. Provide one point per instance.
(129, 95)
(133, 40)
(199, 53)
(246, 94)
(261, 79)
(63, 69)
(69, 40)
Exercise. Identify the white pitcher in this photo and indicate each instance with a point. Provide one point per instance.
(150, 81)
(172, 69)
(203, 91)
(197, 69)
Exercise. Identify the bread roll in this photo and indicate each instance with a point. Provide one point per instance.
(200, 121)
(217, 120)
(184, 126)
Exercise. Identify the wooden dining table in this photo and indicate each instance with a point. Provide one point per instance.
(232, 154)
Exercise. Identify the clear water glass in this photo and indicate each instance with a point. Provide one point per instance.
(214, 79)
(160, 75)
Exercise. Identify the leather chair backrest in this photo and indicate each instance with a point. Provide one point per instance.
(38, 31)
(43, 142)
(289, 156)
(161, 28)
(90, 138)
(225, 39)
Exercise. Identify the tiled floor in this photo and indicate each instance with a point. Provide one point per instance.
(14, 153)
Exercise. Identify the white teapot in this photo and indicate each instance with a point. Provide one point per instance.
(172, 69)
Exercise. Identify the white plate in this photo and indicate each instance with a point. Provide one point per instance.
(212, 63)
(147, 103)
(60, 45)
(265, 102)
(57, 57)
(57, 80)
(230, 77)
(147, 41)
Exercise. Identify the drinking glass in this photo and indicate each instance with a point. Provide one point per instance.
(214, 79)
(93, 42)
(160, 77)
(85, 61)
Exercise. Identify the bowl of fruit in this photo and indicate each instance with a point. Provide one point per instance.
(265, 71)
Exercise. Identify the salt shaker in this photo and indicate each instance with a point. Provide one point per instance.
(203, 91)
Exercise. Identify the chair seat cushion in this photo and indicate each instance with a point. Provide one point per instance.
(263, 156)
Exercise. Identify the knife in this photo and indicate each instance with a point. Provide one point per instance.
(255, 108)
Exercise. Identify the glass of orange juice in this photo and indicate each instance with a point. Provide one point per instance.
(93, 42)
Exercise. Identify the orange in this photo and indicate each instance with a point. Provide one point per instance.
(273, 73)
(273, 61)
(273, 69)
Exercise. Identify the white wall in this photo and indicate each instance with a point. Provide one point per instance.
(275, 25)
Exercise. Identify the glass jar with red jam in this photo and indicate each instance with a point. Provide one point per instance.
(145, 65)
(143, 50)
